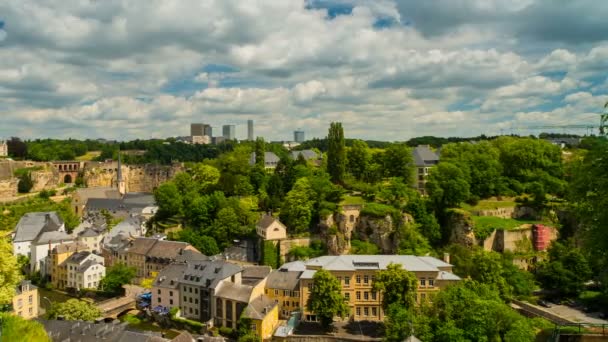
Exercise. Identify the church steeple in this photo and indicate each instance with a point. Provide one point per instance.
(119, 181)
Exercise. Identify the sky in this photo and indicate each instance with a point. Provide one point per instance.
(387, 69)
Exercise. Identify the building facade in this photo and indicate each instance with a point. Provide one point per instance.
(32, 225)
(250, 130)
(356, 274)
(26, 300)
(84, 270)
(424, 159)
(283, 287)
(269, 228)
(56, 266)
(229, 132)
(3, 148)
(197, 129)
(298, 136)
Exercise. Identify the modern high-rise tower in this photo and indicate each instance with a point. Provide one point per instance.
(228, 132)
(298, 136)
(208, 131)
(250, 130)
(197, 129)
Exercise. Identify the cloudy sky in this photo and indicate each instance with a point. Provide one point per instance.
(387, 69)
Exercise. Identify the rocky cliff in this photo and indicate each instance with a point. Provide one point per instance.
(460, 226)
(137, 178)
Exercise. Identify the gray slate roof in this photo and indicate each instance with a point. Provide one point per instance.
(51, 237)
(32, 224)
(237, 292)
(212, 272)
(170, 276)
(267, 220)
(92, 332)
(270, 159)
(283, 279)
(424, 156)
(307, 154)
(259, 307)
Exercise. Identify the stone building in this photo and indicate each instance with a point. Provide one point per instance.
(30, 226)
(56, 266)
(283, 287)
(3, 148)
(269, 228)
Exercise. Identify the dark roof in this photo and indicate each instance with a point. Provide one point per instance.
(32, 224)
(266, 221)
(140, 245)
(283, 279)
(259, 308)
(93, 332)
(52, 236)
(208, 273)
(307, 154)
(191, 255)
(270, 159)
(424, 156)
(129, 202)
(253, 274)
(167, 249)
(89, 232)
(78, 257)
(24, 284)
(237, 292)
(170, 276)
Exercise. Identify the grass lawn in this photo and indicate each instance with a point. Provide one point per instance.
(489, 204)
(484, 225)
(53, 296)
(139, 324)
(351, 200)
(89, 156)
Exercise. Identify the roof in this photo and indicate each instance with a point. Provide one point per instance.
(424, 156)
(259, 308)
(208, 273)
(376, 262)
(190, 255)
(307, 154)
(93, 332)
(51, 237)
(237, 292)
(308, 274)
(269, 158)
(69, 247)
(78, 257)
(129, 227)
(87, 264)
(252, 275)
(89, 232)
(267, 220)
(166, 249)
(443, 275)
(170, 276)
(294, 266)
(183, 337)
(130, 201)
(24, 283)
(32, 224)
(100, 192)
(283, 279)
(140, 245)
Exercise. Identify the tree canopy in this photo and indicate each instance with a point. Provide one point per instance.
(326, 299)
(74, 309)
(117, 276)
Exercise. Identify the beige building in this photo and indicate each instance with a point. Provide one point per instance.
(269, 228)
(424, 159)
(357, 273)
(3, 148)
(57, 270)
(165, 288)
(26, 300)
(283, 287)
(84, 270)
(92, 238)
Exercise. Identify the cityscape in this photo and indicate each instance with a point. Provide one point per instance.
(304, 171)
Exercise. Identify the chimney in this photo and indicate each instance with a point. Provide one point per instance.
(446, 257)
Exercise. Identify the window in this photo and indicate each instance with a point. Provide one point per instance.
(347, 295)
(366, 279)
(431, 282)
(190, 299)
(286, 293)
(296, 294)
(352, 218)
(422, 282)
(358, 311)
(358, 295)
(346, 281)
(366, 296)
(309, 286)
(339, 279)
(286, 303)
(185, 299)
(295, 304)
(196, 312)
(170, 293)
(276, 292)
(374, 312)
(170, 301)
(190, 310)
(31, 298)
(159, 299)
(373, 278)
(373, 295)
(158, 291)
(195, 300)
(366, 311)
(30, 310)
(195, 290)
(358, 279)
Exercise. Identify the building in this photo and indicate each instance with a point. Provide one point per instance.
(165, 288)
(197, 129)
(270, 160)
(424, 159)
(229, 132)
(42, 247)
(298, 136)
(129, 205)
(283, 287)
(263, 313)
(81, 196)
(26, 300)
(218, 140)
(92, 238)
(30, 226)
(201, 139)
(56, 267)
(84, 270)
(3, 148)
(250, 130)
(356, 274)
(62, 330)
(208, 131)
(308, 155)
(269, 228)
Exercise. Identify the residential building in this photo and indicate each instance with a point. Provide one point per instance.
(270, 228)
(229, 132)
(3, 148)
(61, 330)
(42, 246)
(424, 159)
(92, 238)
(145, 254)
(56, 267)
(201, 139)
(264, 316)
(30, 226)
(250, 130)
(26, 300)
(298, 136)
(283, 287)
(270, 160)
(84, 270)
(165, 288)
(308, 155)
(356, 274)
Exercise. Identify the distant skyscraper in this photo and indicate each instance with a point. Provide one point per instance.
(298, 136)
(208, 131)
(229, 132)
(250, 130)
(197, 129)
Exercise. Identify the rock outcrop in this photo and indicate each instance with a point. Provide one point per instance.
(137, 178)
(460, 226)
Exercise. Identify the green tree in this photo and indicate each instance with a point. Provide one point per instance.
(15, 328)
(117, 276)
(206, 176)
(326, 300)
(25, 183)
(396, 286)
(566, 270)
(359, 159)
(168, 199)
(74, 309)
(260, 151)
(9, 272)
(270, 255)
(336, 153)
(447, 186)
(244, 332)
(297, 208)
(205, 244)
(399, 162)
(226, 227)
(398, 325)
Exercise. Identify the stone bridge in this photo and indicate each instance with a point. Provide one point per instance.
(113, 307)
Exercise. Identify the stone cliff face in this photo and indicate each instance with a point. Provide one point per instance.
(137, 178)
(460, 225)
(45, 179)
(8, 187)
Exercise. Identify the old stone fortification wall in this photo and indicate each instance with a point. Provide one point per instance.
(460, 225)
(45, 178)
(498, 212)
(137, 178)
(507, 240)
(48, 178)
(287, 244)
(8, 187)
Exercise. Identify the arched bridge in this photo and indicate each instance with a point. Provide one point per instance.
(114, 306)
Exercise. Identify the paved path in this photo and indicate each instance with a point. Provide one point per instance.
(576, 315)
(131, 293)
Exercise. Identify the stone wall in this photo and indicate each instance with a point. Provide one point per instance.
(507, 240)
(498, 212)
(45, 179)
(137, 178)
(8, 187)
(287, 244)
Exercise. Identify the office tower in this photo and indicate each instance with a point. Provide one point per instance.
(208, 131)
(197, 129)
(250, 130)
(228, 132)
(298, 136)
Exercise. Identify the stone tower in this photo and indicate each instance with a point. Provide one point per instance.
(119, 181)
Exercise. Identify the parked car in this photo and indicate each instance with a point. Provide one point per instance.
(544, 303)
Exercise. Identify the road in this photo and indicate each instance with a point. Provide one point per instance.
(131, 292)
(575, 314)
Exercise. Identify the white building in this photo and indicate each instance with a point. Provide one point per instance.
(91, 237)
(42, 246)
(32, 225)
(85, 270)
(3, 149)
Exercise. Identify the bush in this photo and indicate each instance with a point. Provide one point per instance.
(25, 183)
(227, 332)
(378, 210)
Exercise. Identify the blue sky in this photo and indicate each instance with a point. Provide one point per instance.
(388, 69)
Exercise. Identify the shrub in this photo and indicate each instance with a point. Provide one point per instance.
(227, 332)
(378, 210)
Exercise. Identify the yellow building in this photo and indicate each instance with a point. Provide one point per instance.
(58, 271)
(26, 301)
(264, 315)
(357, 273)
(283, 287)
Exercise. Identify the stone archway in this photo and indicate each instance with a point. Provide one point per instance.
(67, 179)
